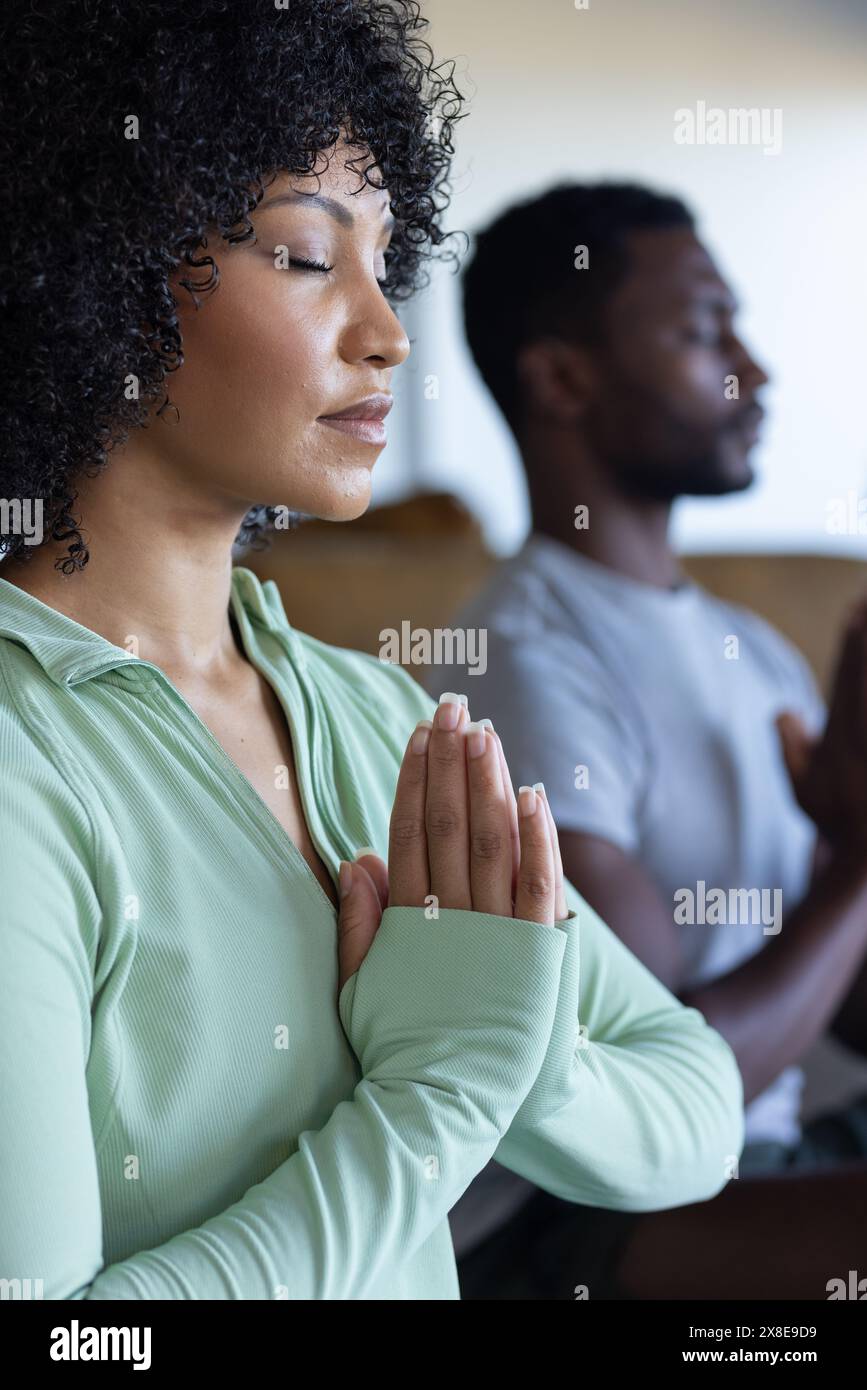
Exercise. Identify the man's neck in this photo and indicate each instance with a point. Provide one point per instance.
(627, 534)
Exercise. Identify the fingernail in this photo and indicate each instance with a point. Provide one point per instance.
(365, 850)
(539, 787)
(486, 724)
(527, 802)
(475, 740)
(464, 701)
(448, 711)
(345, 877)
(421, 737)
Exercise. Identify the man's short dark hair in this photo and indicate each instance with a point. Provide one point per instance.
(522, 281)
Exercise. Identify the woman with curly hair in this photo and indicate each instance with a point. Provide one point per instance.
(242, 1056)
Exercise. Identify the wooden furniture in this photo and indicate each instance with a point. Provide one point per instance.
(420, 560)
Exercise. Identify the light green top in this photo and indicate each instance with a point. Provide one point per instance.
(186, 1109)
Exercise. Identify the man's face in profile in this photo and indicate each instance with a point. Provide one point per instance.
(676, 409)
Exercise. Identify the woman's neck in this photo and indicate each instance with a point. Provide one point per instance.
(160, 566)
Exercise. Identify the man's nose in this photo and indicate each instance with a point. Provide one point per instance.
(750, 372)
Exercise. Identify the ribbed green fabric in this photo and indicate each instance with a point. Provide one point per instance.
(187, 1109)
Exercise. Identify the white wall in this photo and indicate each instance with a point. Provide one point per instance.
(558, 92)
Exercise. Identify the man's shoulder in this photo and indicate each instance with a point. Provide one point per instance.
(524, 601)
(765, 643)
(512, 601)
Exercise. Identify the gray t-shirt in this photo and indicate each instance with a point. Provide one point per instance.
(649, 716)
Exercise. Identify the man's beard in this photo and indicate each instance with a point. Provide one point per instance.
(661, 480)
(681, 461)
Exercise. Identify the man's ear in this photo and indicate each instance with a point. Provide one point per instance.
(557, 378)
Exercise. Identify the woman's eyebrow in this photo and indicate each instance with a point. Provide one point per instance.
(329, 205)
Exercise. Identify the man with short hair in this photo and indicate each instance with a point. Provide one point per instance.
(681, 740)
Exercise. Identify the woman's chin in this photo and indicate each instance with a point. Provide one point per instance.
(348, 497)
(349, 510)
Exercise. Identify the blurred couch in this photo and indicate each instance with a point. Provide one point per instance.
(420, 560)
(345, 583)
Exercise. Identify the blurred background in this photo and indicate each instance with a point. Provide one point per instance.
(555, 92)
(558, 92)
(560, 89)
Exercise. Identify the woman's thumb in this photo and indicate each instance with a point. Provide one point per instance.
(358, 920)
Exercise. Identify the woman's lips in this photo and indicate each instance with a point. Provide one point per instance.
(368, 431)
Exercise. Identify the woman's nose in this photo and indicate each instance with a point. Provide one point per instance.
(375, 332)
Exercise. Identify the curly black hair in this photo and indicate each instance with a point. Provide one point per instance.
(226, 94)
(550, 296)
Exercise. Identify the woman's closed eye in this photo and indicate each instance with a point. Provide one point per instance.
(300, 263)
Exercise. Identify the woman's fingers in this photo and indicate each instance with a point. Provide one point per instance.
(358, 920)
(371, 862)
(408, 874)
(534, 897)
(447, 811)
(457, 833)
(561, 907)
(490, 835)
(511, 806)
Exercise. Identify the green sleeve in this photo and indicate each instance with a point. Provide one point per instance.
(638, 1105)
(451, 1020)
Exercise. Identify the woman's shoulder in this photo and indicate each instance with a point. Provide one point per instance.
(20, 748)
(44, 819)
